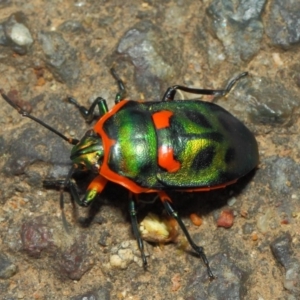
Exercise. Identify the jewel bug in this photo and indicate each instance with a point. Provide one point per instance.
(153, 147)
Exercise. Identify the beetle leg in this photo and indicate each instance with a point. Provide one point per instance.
(88, 114)
(122, 91)
(135, 229)
(60, 183)
(171, 91)
(199, 250)
(95, 187)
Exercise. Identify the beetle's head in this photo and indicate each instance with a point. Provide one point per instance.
(88, 153)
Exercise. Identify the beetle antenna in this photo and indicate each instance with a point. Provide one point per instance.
(25, 113)
(65, 184)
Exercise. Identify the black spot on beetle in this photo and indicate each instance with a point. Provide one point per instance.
(204, 158)
(198, 118)
(230, 155)
(213, 136)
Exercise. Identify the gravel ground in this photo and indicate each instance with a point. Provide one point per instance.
(51, 50)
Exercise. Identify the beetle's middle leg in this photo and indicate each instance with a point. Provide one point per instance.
(135, 228)
(199, 250)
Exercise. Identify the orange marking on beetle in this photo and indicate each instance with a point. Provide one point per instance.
(98, 184)
(166, 159)
(105, 171)
(161, 119)
(163, 196)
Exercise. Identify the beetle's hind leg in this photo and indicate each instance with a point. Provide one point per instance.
(199, 250)
(171, 91)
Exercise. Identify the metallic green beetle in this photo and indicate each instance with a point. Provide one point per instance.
(153, 147)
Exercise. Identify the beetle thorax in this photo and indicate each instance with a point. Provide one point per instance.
(88, 153)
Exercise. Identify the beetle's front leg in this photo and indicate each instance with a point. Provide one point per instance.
(61, 184)
(95, 187)
(199, 250)
(135, 229)
(88, 114)
(122, 91)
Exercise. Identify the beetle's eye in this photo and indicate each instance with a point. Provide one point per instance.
(82, 167)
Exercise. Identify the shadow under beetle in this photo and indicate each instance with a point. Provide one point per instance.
(153, 147)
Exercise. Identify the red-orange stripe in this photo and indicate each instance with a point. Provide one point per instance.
(161, 119)
(166, 159)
